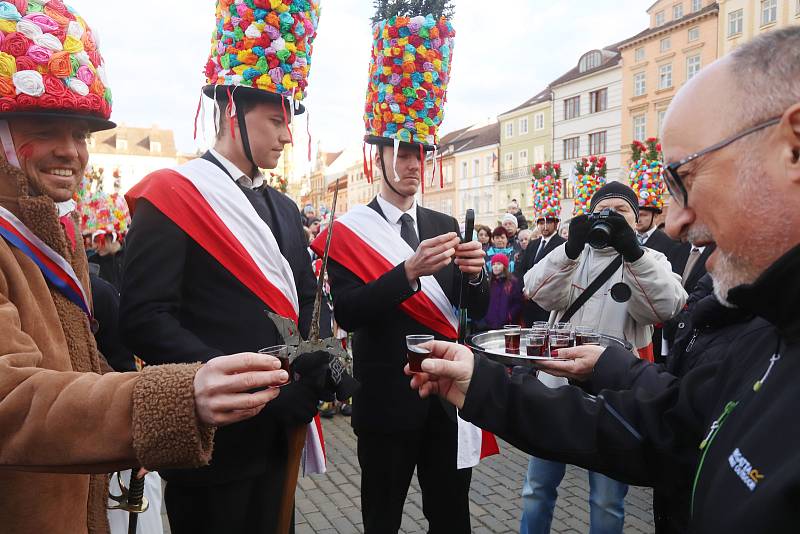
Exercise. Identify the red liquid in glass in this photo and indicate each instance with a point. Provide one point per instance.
(415, 356)
(558, 345)
(512, 343)
(535, 350)
(285, 366)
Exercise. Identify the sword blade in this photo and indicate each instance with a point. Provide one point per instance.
(316, 317)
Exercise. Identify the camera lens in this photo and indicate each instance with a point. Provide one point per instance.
(599, 235)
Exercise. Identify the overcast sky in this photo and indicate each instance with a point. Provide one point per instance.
(156, 51)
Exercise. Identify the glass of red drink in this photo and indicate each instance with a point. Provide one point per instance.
(535, 345)
(282, 353)
(558, 342)
(590, 339)
(416, 351)
(513, 334)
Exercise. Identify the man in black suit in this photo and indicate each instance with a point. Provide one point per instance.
(181, 302)
(536, 252)
(650, 235)
(397, 431)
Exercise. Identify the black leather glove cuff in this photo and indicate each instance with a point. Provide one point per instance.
(633, 252)
(573, 250)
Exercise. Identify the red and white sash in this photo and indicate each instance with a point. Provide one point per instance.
(367, 245)
(206, 204)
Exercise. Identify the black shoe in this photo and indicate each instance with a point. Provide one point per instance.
(328, 410)
(346, 410)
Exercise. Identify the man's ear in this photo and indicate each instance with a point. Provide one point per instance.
(793, 164)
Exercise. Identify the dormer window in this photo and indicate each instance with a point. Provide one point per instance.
(590, 61)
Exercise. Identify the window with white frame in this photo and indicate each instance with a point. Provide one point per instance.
(488, 163)
(538, 154)
(538, 119)
(660, 18)
(476, 167)
(122, 144)
(508, 162)
(510, 129)
(638, 54)
(639, 83)
(797, 8)
(692, 66)
(694, 34)
(769, 11)
(572, 107)
(665, 76)
(589, 61)
(523, 125)
(640, 127)
(697, 5)
(447, 206)
(666, 44)
(597, 143)
(155, 147)
(523, 158)
(661, 114)
(677, 11)
(464, 169)
(448, 174)
(735, 22)
(572, 147)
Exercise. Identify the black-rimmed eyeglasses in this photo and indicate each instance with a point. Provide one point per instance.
(674, 181)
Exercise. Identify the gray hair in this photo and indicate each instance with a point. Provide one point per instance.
(767, 72)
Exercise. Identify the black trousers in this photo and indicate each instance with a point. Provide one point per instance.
(387, 463)
(248, 506)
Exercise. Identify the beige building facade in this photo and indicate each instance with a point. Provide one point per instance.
(681, 40)
(742, 20)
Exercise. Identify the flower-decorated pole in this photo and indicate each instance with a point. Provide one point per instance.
(647, 174)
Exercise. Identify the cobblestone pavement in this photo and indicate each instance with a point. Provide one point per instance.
(331, 504)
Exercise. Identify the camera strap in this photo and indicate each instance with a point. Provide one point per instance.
(607, 273)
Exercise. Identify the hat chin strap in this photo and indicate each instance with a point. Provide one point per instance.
(248, 153)
(8, 144)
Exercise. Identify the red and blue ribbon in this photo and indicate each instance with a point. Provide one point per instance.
(55, 268)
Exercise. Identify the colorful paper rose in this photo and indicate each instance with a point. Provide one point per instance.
(590, 175)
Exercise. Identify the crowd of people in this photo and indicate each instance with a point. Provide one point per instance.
(213, 285)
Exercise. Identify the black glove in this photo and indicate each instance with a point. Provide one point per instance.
(314, 370)
(578, 234)
(623, 238)
(295, 406)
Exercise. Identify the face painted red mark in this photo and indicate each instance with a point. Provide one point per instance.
(25, 150)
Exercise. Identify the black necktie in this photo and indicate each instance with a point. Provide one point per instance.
(407, 231)
(540, 252)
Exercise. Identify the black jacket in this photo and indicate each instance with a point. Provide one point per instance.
(111, 267)
(522, 222)
(105, 304)
(662, 242)
(748, 472)
(679, 257)
(180, 305)
(532, 312)
(385, 402)
(706, 332)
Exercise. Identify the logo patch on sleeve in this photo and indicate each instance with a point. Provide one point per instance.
(744, 469)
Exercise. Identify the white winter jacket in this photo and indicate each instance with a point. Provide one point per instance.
(657, 294)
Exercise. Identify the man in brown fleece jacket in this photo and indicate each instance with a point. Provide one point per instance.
(63, 423)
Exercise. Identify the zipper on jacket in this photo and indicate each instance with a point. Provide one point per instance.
(691, 342)
(705, 445)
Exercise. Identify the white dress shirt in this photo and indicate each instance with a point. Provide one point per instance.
(393, 214)
(646, 236)
(239, 176)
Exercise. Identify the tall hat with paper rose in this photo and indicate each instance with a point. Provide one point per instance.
(547, 191)
(590, 175)
(50, 64)
(647, 174)
(408, 77)
(260, 51)
(103, 217)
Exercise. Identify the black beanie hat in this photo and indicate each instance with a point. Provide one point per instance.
(615, 190)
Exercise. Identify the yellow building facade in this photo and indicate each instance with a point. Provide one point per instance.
(681, 40)
(742, 20)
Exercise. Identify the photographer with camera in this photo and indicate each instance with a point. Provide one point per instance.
(604, 279)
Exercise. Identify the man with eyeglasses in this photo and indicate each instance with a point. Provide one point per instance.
(728, 429)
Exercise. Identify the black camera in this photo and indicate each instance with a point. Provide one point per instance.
(600, 234)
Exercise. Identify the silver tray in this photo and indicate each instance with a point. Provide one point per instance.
(492, 344)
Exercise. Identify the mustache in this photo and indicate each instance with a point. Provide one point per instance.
(699, 233)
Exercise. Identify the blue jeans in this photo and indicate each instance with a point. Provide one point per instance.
(539, 494)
